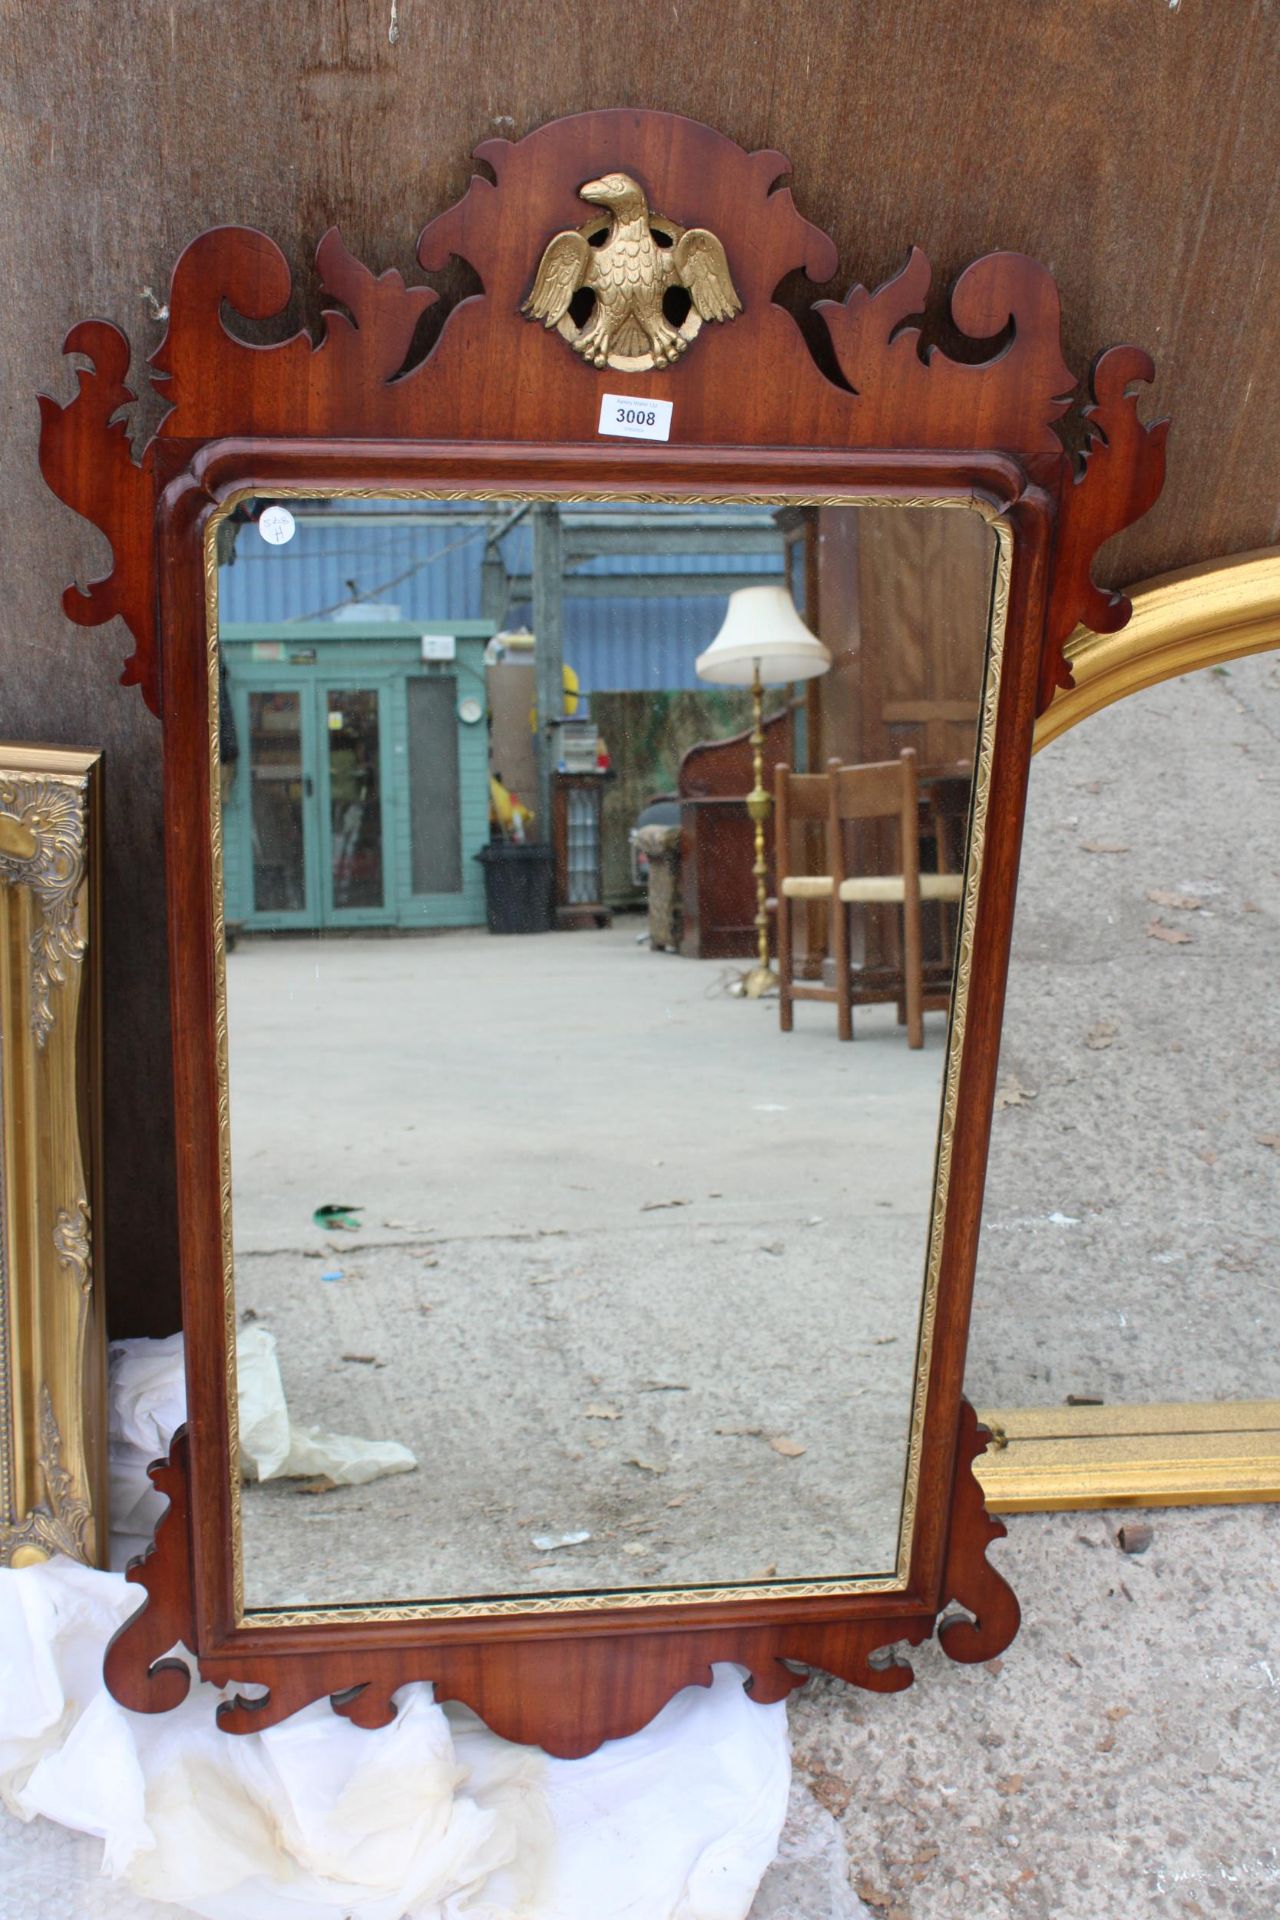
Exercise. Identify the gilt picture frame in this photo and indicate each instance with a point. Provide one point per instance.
(53, 1349)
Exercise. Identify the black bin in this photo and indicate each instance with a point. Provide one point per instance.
(518, 887)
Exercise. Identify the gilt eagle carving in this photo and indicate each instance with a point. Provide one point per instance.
(629, 273)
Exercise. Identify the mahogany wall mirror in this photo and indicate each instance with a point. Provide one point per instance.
(664, 1286)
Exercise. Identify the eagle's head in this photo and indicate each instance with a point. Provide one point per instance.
(617, 192)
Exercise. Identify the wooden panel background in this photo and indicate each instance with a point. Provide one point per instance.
(903, 601)
(1131, 148)
(925, 589)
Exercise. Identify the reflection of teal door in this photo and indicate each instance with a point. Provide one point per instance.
(361, 792)
(317, 802)
(273, 838)
(353, 805)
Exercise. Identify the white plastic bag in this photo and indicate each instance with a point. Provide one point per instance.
(272, 1447)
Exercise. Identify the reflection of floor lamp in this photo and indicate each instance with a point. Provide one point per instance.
(763, 643)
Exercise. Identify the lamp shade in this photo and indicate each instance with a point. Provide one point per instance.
(762, 632)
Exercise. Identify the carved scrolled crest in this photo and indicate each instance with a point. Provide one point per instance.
(694, 176)
(754, 383)
(216, 380)
(1112, 483)
(138, 1667)
(86, 459)
(1009, 400)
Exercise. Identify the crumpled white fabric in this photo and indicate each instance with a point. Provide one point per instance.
(148, 1403)
(273, 1447)
(432, 1818)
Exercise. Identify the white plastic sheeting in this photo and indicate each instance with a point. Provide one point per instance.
(148, 1402)
(432, 1818)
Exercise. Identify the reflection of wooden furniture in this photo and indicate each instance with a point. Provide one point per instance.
(578, 844)
(944, 830)
(800, 528)
(884, 790)
(718, 901)
(902, 604)
(801, 804)
(876, 953)
(938, 805)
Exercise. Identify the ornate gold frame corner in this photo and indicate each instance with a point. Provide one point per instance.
(1194, 617)
(53, 1384)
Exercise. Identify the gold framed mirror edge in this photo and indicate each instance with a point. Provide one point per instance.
(1194, 617)
(53, 1367)
(1180, 1453)
(1158, 1454)
(628, 1598)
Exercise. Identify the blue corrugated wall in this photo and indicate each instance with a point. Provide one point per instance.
(432, 572)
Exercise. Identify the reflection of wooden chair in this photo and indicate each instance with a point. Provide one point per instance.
(944, 814)
(882, 790)
(798, 799)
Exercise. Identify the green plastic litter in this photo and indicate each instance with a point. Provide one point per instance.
(336, 1213)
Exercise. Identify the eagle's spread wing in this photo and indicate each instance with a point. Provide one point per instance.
(700, 266)
(561, 271)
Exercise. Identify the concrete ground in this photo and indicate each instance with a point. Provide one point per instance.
(628, 1260)
(1118, 1763)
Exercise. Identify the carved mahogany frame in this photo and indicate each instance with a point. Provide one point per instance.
(495, 403)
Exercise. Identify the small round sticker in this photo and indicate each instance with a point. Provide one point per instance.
(276, 525)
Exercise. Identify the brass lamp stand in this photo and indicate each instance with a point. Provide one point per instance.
(763, 642)
(761, 977)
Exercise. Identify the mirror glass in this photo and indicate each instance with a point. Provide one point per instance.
(1130, 1208)
(566, 1258)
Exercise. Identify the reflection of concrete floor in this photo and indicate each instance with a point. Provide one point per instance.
(589, 1178)
(463, 1084)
